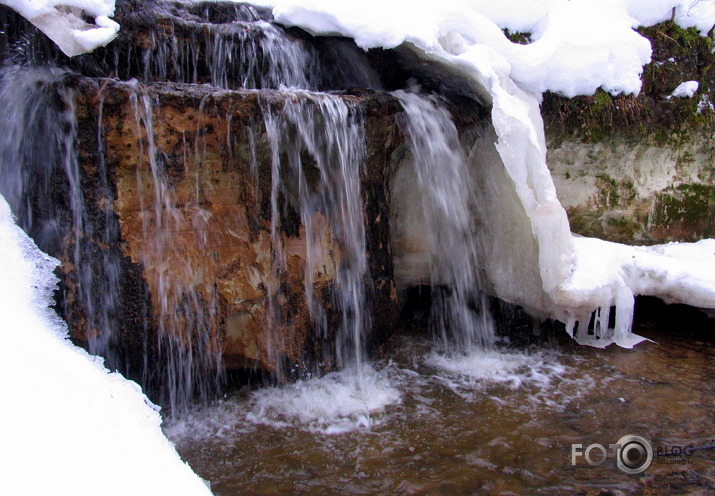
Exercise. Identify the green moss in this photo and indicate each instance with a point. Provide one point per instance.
(518, 37)
(688, 209)
(601, 101)
(602, 225)
(613, 193)
(678, 55)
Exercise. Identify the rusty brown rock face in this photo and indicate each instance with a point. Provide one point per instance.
(204, 248)
(191, 167)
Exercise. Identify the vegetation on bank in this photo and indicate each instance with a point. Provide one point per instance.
(683, 211)
(679, 55)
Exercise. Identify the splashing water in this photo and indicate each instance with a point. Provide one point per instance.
(331, 404)
(418, 376)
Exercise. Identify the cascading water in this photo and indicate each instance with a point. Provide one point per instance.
(460, 311)
(243, 50)
(317, 154)
(188, 344)
(292, 175)
(317, 148)
(183, 360)
(38, 149)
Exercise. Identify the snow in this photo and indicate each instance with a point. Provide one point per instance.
(696, 13)
(686, 89)
(575, 48)
(68, 425)
(61, 21)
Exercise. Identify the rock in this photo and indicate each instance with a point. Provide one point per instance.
(209, 251)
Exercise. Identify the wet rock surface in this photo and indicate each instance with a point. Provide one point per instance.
(219, 173)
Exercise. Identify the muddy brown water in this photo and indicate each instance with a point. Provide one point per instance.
(452, 434)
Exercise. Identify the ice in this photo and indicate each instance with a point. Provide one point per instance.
(686, 89)
(62, 22)
(610, 274)
(69, 426)
(575, 48)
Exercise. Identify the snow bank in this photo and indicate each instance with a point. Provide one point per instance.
(609, 274)
(576, 47)
(69, 426)
(61, 21)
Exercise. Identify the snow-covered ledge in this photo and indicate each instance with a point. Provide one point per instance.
(62, 22)
(575, 48)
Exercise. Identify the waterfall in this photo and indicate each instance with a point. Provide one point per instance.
(460, 312)
(134, 225)
(186, 306)
(37, 150)
(243, 50)
(317, 149)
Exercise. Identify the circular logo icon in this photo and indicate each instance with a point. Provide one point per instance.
(635, 454)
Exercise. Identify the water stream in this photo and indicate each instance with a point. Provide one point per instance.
(460, 313)
(321, 141)
(498, 422)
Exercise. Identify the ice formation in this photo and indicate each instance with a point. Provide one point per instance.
(71, 426)
(575, 48)
(62, 22)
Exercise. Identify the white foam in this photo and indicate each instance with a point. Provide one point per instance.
(512, 369)
(541, 375)
(335, 403)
